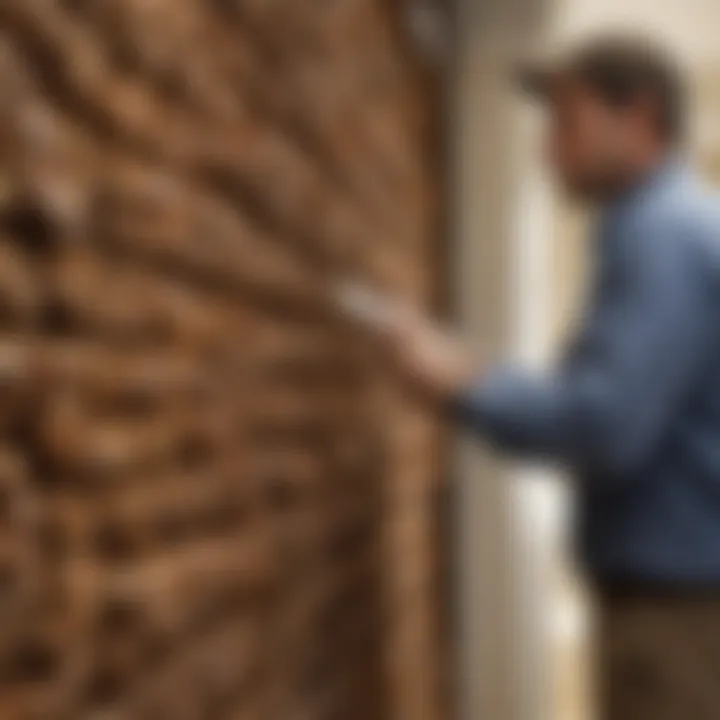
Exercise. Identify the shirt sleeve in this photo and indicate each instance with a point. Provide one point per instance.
(610, 409)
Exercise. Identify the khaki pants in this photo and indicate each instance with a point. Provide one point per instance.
(659, 655)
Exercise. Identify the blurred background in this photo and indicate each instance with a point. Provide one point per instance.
(214, 503)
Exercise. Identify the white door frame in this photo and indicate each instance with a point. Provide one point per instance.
(502, 279)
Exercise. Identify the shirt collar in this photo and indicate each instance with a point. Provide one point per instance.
(671, 172)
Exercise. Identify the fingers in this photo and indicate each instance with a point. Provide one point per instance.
(420, 350)
(370, 308)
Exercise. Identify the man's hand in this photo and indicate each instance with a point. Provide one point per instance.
(429, 356)
(422, 352)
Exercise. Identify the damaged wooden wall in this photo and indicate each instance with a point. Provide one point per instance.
(212, 502)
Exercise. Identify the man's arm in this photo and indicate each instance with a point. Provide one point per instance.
(610, 409)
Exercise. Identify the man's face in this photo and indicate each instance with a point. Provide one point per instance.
(591, 144)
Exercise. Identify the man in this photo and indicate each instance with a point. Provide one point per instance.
(634, 407)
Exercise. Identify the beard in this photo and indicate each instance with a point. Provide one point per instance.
(601, 180)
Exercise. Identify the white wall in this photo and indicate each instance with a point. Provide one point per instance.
(689, 25)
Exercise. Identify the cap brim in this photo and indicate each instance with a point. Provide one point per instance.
(536, 79)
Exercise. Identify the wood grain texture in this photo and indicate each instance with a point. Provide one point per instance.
(213, 502)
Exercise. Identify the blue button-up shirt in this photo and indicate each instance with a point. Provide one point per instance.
(634, 408)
